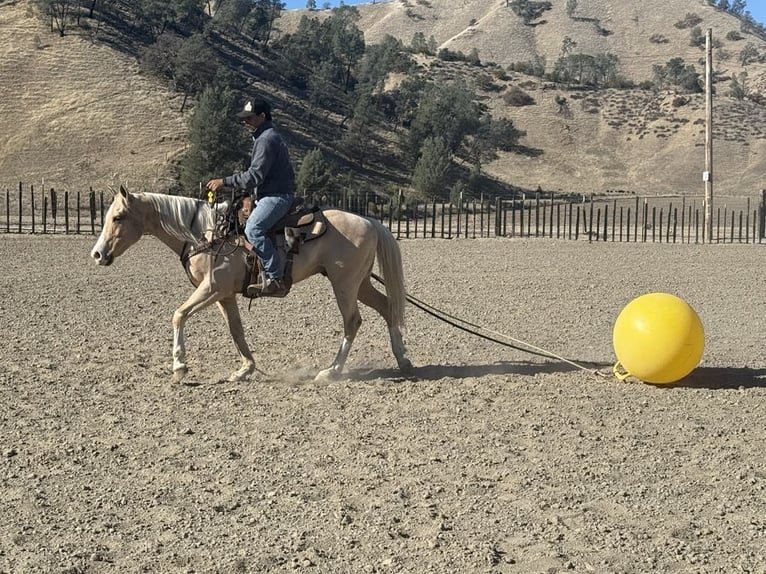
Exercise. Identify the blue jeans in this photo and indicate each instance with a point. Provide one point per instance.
(267, 211)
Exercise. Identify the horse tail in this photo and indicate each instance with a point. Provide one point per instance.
(390, 263)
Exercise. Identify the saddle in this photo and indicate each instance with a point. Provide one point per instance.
(301, 225)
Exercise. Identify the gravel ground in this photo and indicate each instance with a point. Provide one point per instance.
(487, 459)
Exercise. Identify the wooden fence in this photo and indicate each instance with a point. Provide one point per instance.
(625, 219)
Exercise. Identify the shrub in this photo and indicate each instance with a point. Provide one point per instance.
(689, 21)
(517, 97)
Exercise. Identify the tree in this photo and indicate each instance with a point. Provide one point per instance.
(659, 75)
(58, 11)
(738, 87)
(418, 44)
(749, 54)
(696, 37)
(346, 40)
(358, 139)
(445, 111)
(217, 143)
(311, 4)
(314, 176)
(182, 16)
(567, 46)
(320, 89)
(188, 63)
(430, 174)
(380, 60)
(738, 7)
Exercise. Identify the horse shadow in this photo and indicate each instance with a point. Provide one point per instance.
(713, 378)
(437, 372)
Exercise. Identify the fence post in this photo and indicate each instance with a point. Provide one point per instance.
(32, 203)
(77, 210)
(20, 200)
(7, 210)
(577, 223)
(646, 216)
(66, 212)
(54, 207)
(91, 209)
(537, 214)
(101, 195)
(762, 216)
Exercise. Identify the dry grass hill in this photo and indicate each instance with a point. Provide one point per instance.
(76, 113)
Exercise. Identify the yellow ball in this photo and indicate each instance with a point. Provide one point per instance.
(657, 338)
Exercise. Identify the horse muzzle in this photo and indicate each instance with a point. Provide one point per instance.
(102, 258)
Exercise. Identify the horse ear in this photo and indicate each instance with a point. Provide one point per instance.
(124, 193)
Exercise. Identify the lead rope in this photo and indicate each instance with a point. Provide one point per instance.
(456, 322)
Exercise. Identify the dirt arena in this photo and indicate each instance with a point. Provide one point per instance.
(485, 460)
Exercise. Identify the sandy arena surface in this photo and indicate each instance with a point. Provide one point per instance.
(486, 460)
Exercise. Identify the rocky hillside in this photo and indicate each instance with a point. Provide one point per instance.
(76, 113)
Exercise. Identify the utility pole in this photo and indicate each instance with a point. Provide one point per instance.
(707, 176)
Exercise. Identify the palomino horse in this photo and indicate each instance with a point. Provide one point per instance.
(345, 254)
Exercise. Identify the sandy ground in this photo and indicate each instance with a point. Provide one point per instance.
(486, 459)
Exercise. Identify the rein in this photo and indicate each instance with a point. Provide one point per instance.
(221, 232)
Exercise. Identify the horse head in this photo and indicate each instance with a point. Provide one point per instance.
(123, 226)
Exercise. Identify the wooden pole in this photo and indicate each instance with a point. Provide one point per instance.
(708, 174)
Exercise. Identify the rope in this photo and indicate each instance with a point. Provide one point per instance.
(474, 330)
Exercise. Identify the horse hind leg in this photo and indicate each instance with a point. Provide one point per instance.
(352, 320)
(378, 301)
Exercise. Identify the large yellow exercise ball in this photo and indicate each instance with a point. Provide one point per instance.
(657, 338)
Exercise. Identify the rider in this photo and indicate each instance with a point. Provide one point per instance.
(271, 179)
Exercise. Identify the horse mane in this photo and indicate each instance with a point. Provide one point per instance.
(186, 218)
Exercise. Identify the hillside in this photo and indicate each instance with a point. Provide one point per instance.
(78, 113)
(75, 113)
(633, 140)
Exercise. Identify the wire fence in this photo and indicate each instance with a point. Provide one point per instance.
(627, 218)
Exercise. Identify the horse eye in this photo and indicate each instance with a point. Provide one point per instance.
(116, 219)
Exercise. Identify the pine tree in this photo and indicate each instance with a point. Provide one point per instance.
(217, 143)
(430, 174)
(314, 176)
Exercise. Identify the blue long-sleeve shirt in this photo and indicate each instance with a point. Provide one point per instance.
(270, 171)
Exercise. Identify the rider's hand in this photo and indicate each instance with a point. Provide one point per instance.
(214, 185)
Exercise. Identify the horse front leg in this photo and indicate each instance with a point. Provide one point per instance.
(230, 311)
(203, 296)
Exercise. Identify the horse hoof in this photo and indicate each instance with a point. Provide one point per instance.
(179, 374)
(327, 375)
(241, 375)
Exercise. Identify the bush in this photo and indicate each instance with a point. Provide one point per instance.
(690, 21)
(517, 97)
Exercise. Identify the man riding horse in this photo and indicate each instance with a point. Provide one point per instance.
(271, 180)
